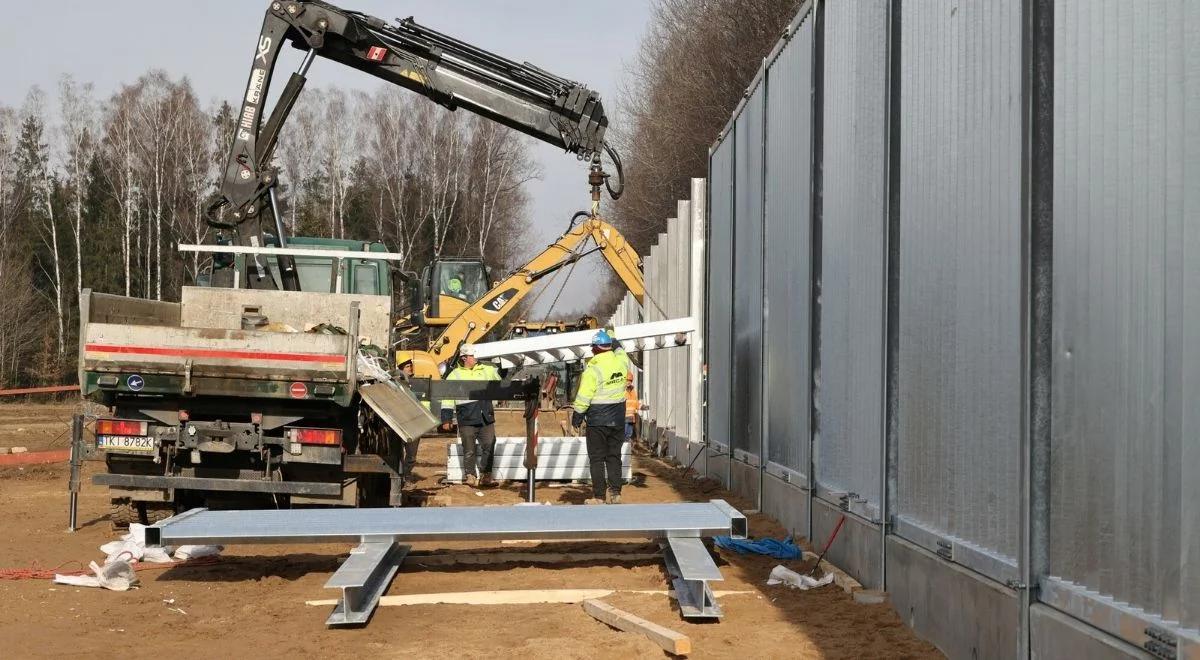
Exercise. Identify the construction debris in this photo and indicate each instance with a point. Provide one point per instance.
(784, 575)
(669, 640)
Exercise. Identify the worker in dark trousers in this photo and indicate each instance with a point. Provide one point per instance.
(601, 403)
(476, 419)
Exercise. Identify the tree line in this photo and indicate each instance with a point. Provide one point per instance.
(681, 86)
(96, 193)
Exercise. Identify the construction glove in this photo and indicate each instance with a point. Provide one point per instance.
(577, 419)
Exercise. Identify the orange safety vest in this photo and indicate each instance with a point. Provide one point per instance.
(631, 405)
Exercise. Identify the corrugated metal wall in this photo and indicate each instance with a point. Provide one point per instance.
(849, 391)
(934, 230)
(746, 412)
(719, 317)
(788, 223)
(960, 283)
(1125, 479)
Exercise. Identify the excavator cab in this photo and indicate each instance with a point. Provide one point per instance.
(450, 285)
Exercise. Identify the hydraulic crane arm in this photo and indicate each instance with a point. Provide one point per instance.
(446, 70)
(474, 322)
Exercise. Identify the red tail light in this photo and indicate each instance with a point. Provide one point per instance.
(316, 436)
(120, 427)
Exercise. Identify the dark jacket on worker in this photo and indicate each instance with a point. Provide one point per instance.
(470, 412)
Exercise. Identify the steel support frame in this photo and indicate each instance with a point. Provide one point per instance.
(372, 565)
(574, 346)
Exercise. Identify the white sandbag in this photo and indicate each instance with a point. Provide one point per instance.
(784, 575)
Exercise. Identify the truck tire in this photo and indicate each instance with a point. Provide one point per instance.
(152, 512)
(122, 512)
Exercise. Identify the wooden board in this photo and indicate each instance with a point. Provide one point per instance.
(531, 558)
(669, 640)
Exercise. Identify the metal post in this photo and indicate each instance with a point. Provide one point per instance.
(815, 245)
(891, 276)
(76, 459)
(696, 311)
(1037, 229)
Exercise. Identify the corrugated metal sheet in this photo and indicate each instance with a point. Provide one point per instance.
(1125, 488)
(748, 277)
(849, 391)
(788, 225)
(719, 291)
(959, 291)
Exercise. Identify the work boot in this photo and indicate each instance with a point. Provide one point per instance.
(614, 497)
(487, 481)
(471, 480)
(593, 500)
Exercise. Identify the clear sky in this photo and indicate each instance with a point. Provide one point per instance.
(112, 42)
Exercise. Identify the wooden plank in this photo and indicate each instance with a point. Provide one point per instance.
(669, 640)
(509, 597)
(39, 390)
(531, 558)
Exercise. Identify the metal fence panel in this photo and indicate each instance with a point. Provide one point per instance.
(959, 357)
(748, 277)
(1125, 496)
(849, 393)
(788, 224)
(719, 291)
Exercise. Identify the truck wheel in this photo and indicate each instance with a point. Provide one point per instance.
(152, 512)
(121, 513)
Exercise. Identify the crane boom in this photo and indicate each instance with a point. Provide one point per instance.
(445, 70)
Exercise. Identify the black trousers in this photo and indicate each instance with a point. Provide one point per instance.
(604, 455)
(486, 437)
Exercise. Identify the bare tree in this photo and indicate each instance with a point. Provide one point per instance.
(35, 163)
(194, 169)
(120, 151)
(159, 113)
(78, 114)
(391, 152)
(441, 154)
(296, 152)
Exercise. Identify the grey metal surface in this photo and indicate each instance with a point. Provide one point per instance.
(1143, 629)
(748, 277)
(691, 568)
(229, 485)
(849, 387)
(719, 316)
(959, 410)
(963, 614)
(1054, 635)
(1125, 497)
(363, 578)
(788, 208)
(396, 406)
(651, 521)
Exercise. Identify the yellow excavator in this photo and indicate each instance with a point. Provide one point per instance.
(448, 288)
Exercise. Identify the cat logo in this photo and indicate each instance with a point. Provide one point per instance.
(497, 303)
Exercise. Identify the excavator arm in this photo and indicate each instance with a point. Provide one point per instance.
(445, 70)
(484, 314)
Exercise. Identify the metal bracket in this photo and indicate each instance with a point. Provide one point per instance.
(691, 569)
(363, 578)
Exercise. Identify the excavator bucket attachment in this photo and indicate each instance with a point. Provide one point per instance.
(399, 408)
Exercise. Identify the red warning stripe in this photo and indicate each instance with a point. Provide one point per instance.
(36, 457)
(210, 353)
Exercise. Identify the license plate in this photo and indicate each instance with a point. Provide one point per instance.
(135, 444)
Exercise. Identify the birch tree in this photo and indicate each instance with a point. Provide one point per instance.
(34, 163)
(78, 114)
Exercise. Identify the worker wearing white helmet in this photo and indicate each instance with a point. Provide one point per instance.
(476, 419)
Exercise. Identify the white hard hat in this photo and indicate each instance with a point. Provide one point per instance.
(466, 349)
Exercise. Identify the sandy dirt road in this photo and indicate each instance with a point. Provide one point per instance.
(252, 602)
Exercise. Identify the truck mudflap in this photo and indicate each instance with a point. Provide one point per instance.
(317, 488)
(397, 406)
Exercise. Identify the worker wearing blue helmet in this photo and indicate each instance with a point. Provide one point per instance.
(601, 403)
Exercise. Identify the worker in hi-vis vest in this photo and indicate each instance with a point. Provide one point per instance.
(476, 419)
(601, 403)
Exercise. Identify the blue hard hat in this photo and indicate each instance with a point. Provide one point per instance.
(602, 338)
